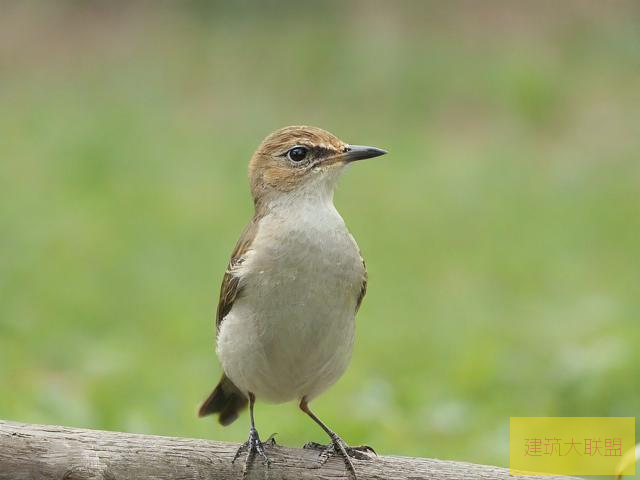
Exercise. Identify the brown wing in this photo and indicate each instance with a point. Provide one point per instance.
(231, 288)
(363, 287)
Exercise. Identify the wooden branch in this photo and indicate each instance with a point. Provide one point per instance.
(34, 452)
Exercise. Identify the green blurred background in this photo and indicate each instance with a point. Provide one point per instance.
(501, 233)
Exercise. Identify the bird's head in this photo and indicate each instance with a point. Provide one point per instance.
(301, 159)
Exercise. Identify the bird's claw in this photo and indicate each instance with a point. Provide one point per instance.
(361, 452)
(252, 446)
(271, 441)
(339, 447)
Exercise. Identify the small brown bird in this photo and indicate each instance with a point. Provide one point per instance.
(286, 316)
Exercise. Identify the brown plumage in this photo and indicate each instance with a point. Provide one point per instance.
(226, 400)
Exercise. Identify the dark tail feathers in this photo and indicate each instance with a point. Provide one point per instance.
(226, 400)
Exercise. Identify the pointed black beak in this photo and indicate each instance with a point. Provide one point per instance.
(361, 152)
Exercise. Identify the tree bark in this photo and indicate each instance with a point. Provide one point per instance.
(34, 452)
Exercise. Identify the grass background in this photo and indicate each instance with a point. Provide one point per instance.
(501, 233)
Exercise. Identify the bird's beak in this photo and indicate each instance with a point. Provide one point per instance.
(360, 152)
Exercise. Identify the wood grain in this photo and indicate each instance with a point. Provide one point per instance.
(34, 452)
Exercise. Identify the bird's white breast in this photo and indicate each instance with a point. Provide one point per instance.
(290, 332)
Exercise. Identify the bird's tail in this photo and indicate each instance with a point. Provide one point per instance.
(226, 399)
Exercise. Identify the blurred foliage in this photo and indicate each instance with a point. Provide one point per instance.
(502, 232)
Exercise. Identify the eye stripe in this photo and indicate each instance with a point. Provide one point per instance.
(323, 151)
(317, 151)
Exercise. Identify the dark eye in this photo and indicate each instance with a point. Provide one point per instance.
(297, 154)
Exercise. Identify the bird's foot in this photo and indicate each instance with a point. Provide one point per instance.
(254, 446)
(361, 452)
(339, 447)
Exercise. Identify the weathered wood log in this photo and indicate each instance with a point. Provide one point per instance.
(34, 452)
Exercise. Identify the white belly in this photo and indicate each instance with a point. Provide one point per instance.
(290, 334)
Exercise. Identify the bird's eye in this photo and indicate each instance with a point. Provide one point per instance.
(297, 154)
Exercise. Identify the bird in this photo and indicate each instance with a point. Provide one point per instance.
(285, 320)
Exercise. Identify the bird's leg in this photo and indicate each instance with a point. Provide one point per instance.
(337, 446)
(253, 445)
